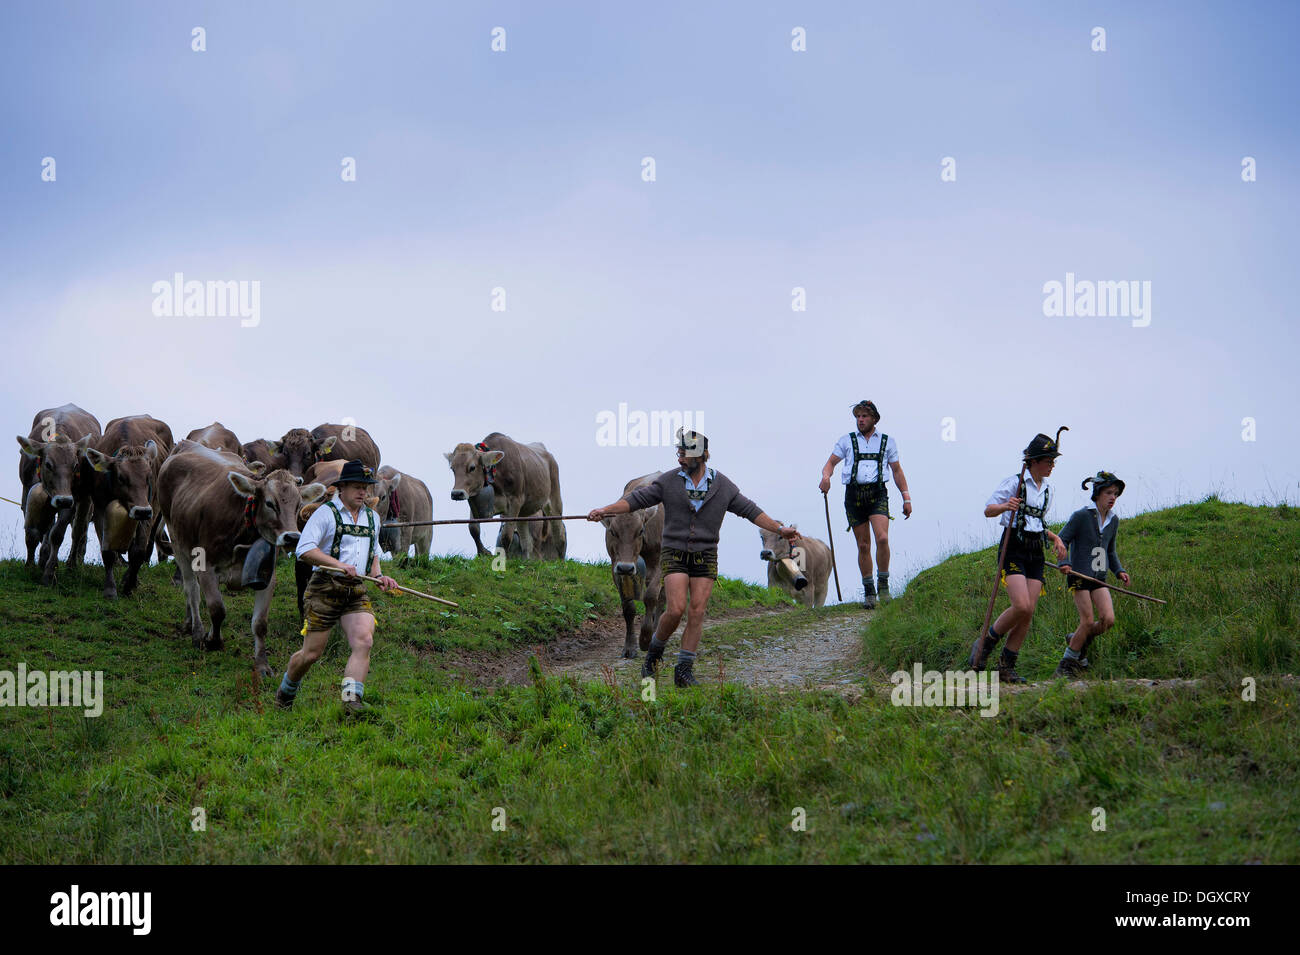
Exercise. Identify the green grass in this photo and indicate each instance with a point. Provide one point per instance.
(587, 772)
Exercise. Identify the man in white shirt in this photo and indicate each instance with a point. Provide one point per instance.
(865, 453)
(342, 534)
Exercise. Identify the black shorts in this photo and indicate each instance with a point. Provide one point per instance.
(1025, 556)
(700, 563)
(863, 500)
(1078, 583)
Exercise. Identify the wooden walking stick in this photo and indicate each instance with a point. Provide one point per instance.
(830, 535)
(488, 520)
(1006, 537)
(405, 590)
(1121, 590)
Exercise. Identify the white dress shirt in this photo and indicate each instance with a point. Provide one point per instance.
(1034, 497)
(319, 532)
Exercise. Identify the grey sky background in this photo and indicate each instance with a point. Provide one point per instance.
(774, 169)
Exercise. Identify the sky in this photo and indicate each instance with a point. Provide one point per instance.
(921, 172)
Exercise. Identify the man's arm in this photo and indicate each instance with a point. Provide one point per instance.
(901, 480)
(827, 470)
(767, 524)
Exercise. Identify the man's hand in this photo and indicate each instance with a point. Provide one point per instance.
(825, 484)
(907, 509)
(596, 514)
(386, 583)
(1124, 577)
(1060, 549)
(1065, 569)
(349, 569)
(1011, 505)
(789, 533)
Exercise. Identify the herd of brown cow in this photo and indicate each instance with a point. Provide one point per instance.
(210, 498)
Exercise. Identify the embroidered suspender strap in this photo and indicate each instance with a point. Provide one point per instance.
(353, 530)
(878, 457)
(1025, 511)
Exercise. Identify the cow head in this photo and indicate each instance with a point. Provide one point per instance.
(624, 537)
(276, 500)
(130, 474)
(296, 451)
(57, 463)
(777, 548)
(468, 467)
(383, 492)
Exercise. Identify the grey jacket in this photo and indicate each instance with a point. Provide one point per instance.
(684, 527)
(1081, 535)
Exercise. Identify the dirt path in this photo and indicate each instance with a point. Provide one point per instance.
(737, 647)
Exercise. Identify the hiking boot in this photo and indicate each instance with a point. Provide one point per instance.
(979, 652)
(869, 601)
(354, 707)
(1068, 669)
(650, 665)
(283, 700)
(1007, 674)
(684, 675)
(883, 593)
(1083, 661)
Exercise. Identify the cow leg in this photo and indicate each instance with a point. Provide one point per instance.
(34, 539)
(53, 542)
(477, 510)
(216, 608)
(108, 556)
(655, 601)
(79, 521)
(301, 577)
(261, 608)
(137, 554)
(629, 617)
(193, 621)
(819, 598)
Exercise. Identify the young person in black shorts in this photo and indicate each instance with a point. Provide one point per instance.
(869, 457)
(695, 498)
(1090, 534)
(1023, 509)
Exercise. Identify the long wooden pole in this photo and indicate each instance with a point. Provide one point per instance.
(1131, 593)
(405, 590)
(487, 520)
(830, 535)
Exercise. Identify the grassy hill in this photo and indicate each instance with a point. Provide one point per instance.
(593, 772)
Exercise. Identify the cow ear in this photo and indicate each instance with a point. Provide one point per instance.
(98, 459)
(492, 457)
(297, 479)
(313, 492)
(326, 446)
(84, 442)
(258, 468)
(447, 455)
(395, 480)
(242, 483)
(273, 446)
(151, 449)
(30, 448)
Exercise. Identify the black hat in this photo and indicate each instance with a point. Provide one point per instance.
(1101, 481)
(694, 442)
(354, 472)
(1044, 447)
(865, 405)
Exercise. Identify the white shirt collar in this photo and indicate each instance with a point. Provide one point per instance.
(1096, 511)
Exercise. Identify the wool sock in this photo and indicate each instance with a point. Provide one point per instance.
(657, 646)
(868, 586)
(685, 656)
(993, 636)
(288, 687)
(352, 689)
(883, 580)
(1071, 654)
(1009, 657)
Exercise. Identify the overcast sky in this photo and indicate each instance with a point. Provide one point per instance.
(774, 169)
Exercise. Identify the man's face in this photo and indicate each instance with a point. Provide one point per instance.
(1106, 499)
(352, 494)
(866, 421)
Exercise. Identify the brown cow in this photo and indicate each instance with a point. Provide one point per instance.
(403, 497)
(258, 450)
(811, 559)
(350, 444)
(216, 436)
(297, 451)
(126, 460)
(52, 455)
(634, 542)
(217, 509)
(522, 479)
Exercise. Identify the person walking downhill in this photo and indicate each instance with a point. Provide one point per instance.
(342, 534)
(695, 498)
(1090, 533)
(865, 452)
(1023, 509)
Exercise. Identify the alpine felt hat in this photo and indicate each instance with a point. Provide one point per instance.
(1102, 480)
(354, 472)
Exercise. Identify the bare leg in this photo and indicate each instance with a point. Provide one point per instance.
(701, 588)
